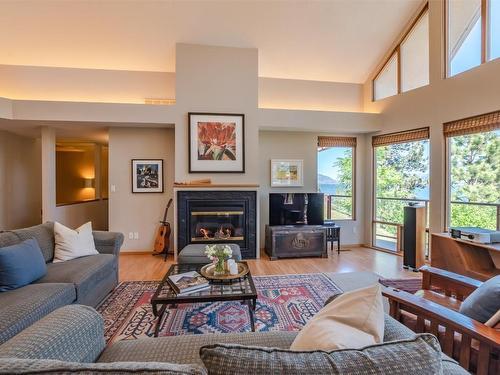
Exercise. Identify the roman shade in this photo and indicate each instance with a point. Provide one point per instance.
(470, 125)
(401, 137)
(336, 141)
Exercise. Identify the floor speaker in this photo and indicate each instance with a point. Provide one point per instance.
(414, 237)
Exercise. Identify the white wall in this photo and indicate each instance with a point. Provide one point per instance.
(471, 93)
(20, 187)
(74, 215)
(302, 145)
(310, 95)
(139, 212)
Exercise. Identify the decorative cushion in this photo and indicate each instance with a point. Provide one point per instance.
(484, 302)
(71, 244)
(353, 320)
(20, 265)
(418, 356)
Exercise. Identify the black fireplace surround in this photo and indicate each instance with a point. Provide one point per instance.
(209, 216)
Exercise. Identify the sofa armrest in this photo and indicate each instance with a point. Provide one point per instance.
(72, 333)
(108, 242)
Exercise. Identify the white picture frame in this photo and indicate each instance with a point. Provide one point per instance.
(287, 173)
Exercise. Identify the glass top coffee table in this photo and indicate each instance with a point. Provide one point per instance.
(241, 289)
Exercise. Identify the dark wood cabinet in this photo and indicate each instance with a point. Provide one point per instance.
(295, 241)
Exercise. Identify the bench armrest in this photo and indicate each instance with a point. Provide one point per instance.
(430, 316)
(451, 283)
(108, 242)
(72, 333)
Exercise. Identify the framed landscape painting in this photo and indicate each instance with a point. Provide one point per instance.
(287, 173)
(147, 176)
(216, 143)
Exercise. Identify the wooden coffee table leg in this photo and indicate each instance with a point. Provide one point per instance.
(251, 309)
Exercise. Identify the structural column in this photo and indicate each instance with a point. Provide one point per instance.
(48, 149)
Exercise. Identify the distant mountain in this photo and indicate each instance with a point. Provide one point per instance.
(324, 179)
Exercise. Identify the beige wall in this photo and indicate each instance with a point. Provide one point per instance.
(84, 85)
(75, 215)
(310, 95)
(138, 212)
(301, 145)
(471, 93)
(220, 80)
(20, 186)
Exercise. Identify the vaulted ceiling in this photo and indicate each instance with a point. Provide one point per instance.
(324, 40)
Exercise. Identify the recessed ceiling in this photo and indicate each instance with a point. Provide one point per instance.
(335, 40)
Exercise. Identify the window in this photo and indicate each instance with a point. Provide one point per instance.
(401, 165)
(408, 66)
(494, 29)
(473, 33)
(464, 35)
(474, 172)
(336, 171)
(386, 84)
(414, 54)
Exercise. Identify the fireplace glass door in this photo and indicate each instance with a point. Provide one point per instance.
(217, 224)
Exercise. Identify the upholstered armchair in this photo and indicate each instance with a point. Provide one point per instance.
(435, 309)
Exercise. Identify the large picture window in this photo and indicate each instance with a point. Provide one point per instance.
(336, 171)
(474, 172)
(401, 176)
(472, 34)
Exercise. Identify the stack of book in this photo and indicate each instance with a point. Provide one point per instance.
(187, 283)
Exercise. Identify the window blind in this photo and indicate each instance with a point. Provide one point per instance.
(401, 137)
(336, 141)
(477, 124)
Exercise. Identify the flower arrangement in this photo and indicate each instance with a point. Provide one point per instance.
(218, 254)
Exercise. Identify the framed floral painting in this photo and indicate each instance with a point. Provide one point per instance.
(216, 143)
(286, 173)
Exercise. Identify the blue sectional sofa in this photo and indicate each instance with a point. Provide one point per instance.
(85, 280)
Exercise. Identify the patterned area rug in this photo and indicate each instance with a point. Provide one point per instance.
(284, 303)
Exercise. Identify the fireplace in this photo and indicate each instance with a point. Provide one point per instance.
(206, 217)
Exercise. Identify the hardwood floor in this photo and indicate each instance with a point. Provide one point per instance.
(148, 267)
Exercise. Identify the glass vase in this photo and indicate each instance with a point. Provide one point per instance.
(220, 267)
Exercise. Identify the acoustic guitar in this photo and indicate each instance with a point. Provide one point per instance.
(162, 240)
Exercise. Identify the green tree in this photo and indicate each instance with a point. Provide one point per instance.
(402, 171)
(343, 205)
(475, 177)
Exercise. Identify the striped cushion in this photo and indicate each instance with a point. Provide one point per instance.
(418, 356)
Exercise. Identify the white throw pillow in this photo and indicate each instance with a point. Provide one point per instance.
(351, 321)
(71, 244)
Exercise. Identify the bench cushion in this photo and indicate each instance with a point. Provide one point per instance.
(86, 274)
(21, 307)
(195, 254)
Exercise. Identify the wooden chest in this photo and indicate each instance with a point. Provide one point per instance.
(295, 241)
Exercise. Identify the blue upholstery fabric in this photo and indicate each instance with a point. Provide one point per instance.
(20, 265)
(484, 302)
(93, 276)
(72, 333)
(43, 234)
(22, 307)
(51, 367)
